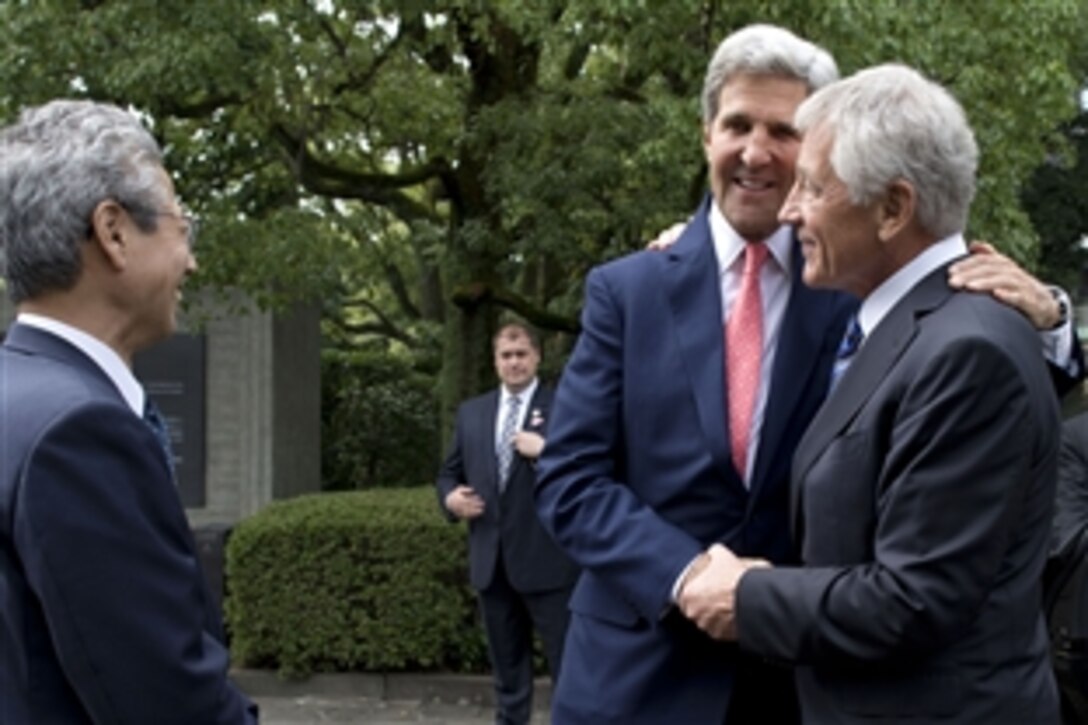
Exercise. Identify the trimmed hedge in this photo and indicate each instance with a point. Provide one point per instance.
(368, 580)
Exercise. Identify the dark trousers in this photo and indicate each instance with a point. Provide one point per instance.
(763, 693)
(509, 617)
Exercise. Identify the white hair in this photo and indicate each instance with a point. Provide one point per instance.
(890, 123)
(765, 50)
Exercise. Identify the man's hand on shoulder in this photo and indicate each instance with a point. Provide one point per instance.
(988, 270)
(464, 503)
(666, 237)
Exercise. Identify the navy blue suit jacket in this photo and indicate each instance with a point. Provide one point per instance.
(104, 613)
(636, 478)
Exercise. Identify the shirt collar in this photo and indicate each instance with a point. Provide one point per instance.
(881, 300)
(524, 396)
(728, 245)
(102, 354)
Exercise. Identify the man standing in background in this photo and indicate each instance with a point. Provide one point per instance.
(523, 580)
(105, 616)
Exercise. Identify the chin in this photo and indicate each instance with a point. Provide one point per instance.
(168, 329)
(814, 279)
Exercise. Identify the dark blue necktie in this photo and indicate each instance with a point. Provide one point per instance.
(157, 424)
(851, 341)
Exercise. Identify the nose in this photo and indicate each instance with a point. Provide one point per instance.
(790, 213)
(757, 148)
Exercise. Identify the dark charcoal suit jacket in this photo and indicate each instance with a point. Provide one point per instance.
(1071, 513)
(923, 497)
(509, 526)
(104, 612)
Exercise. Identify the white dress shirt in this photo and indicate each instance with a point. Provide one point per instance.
(504, 396)
(881, 300)
(102, 354)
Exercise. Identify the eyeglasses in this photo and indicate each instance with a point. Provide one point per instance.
(192, 224)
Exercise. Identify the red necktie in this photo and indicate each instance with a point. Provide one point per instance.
(744, 354)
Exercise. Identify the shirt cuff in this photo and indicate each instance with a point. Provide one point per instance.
(1058, 343)
(680, 579)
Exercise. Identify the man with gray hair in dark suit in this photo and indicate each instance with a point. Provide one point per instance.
(104, 612)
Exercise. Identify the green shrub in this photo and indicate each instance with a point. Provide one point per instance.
(368, 580)
(379, 422)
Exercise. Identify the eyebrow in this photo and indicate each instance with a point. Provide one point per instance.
(775, 127)
(785, 128)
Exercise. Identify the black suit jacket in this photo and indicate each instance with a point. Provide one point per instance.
(104, 613)
(509, 527)
(924, 491)
(1071, 512)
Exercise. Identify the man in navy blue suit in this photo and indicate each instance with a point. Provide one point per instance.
(659, 446)
(523, 580)
(104, 613)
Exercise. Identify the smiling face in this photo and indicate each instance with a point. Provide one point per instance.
(751, 148)
(161, 261)
(840, 240)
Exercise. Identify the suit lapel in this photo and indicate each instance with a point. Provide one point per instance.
(536, 417)
(878, 355)
(693, 289)
(802, 344)
(486, 418)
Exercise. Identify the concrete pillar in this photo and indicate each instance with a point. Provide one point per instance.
(263, 412)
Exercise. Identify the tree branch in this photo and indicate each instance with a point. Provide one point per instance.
(400, 289)
(437, 59)
(199, 108)
(473, 295)
(330, 33)
(320, 177)
(381, 325)
(358, 81)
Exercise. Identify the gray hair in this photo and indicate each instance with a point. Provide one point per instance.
(765, 50)
(890, 123)
(57, 163)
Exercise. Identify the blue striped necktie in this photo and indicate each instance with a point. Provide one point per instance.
(851, 341)
(157, 424)
(505, 449)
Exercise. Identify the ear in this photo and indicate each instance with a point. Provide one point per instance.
(895, 210)
(109, 222)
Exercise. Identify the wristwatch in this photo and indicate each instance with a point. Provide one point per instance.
(1063, 307)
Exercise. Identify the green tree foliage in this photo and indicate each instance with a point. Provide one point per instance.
(379, 422)
(423, 167)
(1057, 200)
